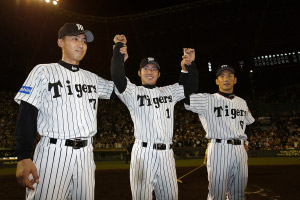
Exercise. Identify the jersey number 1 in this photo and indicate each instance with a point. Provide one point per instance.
(168, 113)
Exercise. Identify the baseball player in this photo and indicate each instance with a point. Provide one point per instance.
(152, 166)
(59, 101)
(225, 117)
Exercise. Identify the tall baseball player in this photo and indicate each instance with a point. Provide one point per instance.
(152, 166)
(225, 117)
(59, 101)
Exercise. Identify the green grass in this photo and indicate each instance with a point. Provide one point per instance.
(7, 171)
(274, 161)
(106, 165)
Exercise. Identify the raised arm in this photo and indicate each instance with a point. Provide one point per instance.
(120, 55)
(190, 79)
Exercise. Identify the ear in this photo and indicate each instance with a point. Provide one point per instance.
(139, 73)
(217, 81)
(235, 80)
(158, 75)
(60, 42)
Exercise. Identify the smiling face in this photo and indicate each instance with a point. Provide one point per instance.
(226, 80)
(149, 74)
(73, 48)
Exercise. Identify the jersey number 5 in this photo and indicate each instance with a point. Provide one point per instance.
(242, 124)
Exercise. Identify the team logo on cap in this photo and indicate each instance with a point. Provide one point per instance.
(80, 27)
(150, 59)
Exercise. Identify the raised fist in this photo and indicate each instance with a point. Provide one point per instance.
(120, 38)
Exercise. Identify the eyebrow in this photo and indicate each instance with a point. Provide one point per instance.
(150, 67)
(84, 37)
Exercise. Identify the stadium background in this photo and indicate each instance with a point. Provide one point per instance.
(258, 35)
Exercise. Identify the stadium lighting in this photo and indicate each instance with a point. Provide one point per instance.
(54, 2)
(209, 67)
(251, 71)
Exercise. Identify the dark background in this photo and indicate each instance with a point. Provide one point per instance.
(222, 32)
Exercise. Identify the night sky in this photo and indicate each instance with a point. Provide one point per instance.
(222, 32)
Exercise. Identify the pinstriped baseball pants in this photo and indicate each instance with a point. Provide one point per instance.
(64, 172)
(153, 170)
(227, 170)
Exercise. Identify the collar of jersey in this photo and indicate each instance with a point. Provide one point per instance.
(73, 68)
(149, 86)
(227, 95)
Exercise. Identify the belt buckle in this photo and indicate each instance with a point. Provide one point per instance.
(161, 146)
(237, 142)
(75, 142)
(230, 142)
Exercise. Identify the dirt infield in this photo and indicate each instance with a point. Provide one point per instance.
(265, 183)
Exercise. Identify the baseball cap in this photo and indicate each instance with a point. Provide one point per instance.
(149, 60)
(224, 67)
(75, 29)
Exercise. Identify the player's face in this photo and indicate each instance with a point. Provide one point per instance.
(149, 74)
(73, 48)
(226, 81)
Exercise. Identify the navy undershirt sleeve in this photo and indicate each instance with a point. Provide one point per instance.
(189, 81)
(248, 131)
(117, 68)
(26, 130)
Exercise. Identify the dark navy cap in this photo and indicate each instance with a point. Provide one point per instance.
(224, 67)
(149, 60)
(70, 29)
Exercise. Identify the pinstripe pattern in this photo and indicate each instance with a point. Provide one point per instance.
(152, 111)
(224, 118)
(150, 170)
(67, 102)
(67, 116)
(152, 124)
(224, 126)
(227, 171)
(65, 173)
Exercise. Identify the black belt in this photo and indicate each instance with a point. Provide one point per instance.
(158, 146)
(76, 143)
(233, 142)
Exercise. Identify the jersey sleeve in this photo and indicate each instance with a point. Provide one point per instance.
(127, 96)
(198, 103)
(105, 88)
(177, 91)
(249, 117)
(32, 89)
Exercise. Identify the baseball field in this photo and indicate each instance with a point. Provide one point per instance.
(269, 178)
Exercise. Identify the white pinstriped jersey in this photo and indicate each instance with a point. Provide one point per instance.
(221, 117)
(152, 110)
(67, 101)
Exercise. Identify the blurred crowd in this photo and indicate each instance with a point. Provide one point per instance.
(271, 131)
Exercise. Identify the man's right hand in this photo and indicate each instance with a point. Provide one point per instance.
(187, 58)
(24, 169)
(120, 38)
(123, 50)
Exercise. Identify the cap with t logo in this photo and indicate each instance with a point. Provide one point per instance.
(70, 29)
(149, 60)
